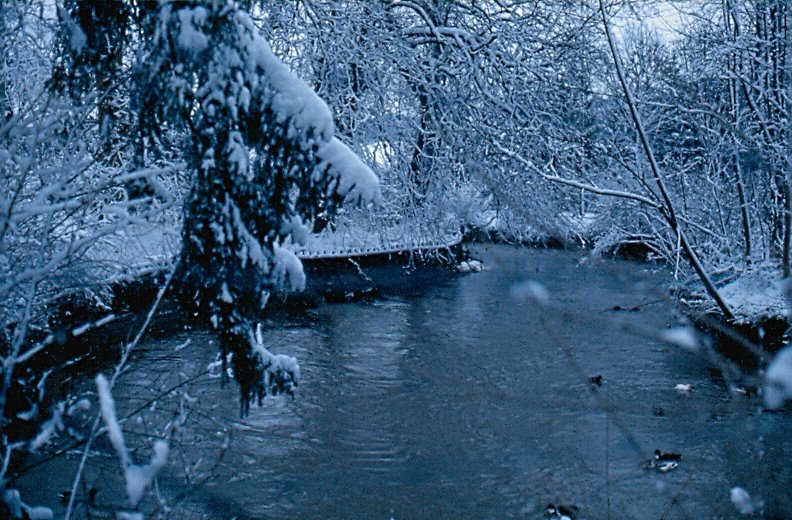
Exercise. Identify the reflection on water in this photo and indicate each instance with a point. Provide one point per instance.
(464, 403)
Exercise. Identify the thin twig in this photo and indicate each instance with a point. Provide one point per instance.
(118, 369)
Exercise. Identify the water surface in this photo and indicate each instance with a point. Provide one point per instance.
(462, 402)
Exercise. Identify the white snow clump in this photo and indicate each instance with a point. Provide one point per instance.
(743, 501)
(352, 178)
(19, 509)
(293, 99)
(531, 290)
(281, 372)
(778, 380)
(48, 429)
(129, 515)
(77, 37)
(684, 337)
(287, 268)
(190, 38)
(139, 477)
(470, 266)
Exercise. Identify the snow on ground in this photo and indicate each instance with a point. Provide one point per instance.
(757, 294)
(140, 248)
(754, 295)
(581, 226)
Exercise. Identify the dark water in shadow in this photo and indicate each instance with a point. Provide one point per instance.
(463, 402)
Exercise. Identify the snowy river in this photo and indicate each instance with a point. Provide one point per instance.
(459, 401)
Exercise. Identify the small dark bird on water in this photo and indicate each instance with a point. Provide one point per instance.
(561, 512)
(666, 457)
(65, 496)
(596, 380)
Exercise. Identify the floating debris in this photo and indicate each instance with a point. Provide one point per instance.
(684, 388)
(470, 266)
(658, 411)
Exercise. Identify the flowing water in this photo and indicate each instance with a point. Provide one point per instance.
(458, 401)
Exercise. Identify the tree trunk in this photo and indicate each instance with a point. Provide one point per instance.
(668, 208)
(734, 100)
(744, 214)
(5, 107)
(424, 147)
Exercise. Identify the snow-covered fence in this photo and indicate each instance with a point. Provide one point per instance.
(353, 241)
(152, 246)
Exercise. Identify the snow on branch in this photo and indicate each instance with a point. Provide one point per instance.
(293, 101)
(296, 104)
(137, 478)
(352, 178)
(287, 270)
(18, 509)
(601, 191)
(575, 184)
(281, 372)
(266, 163)
(259, 372)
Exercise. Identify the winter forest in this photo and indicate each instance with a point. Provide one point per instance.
(395, 259)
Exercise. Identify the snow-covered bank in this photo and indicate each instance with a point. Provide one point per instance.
(756, 340)
(755, 295)
(758, 294)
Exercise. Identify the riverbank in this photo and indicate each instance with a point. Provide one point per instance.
(759, 299)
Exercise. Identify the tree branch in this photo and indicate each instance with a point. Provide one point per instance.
(668, 208)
